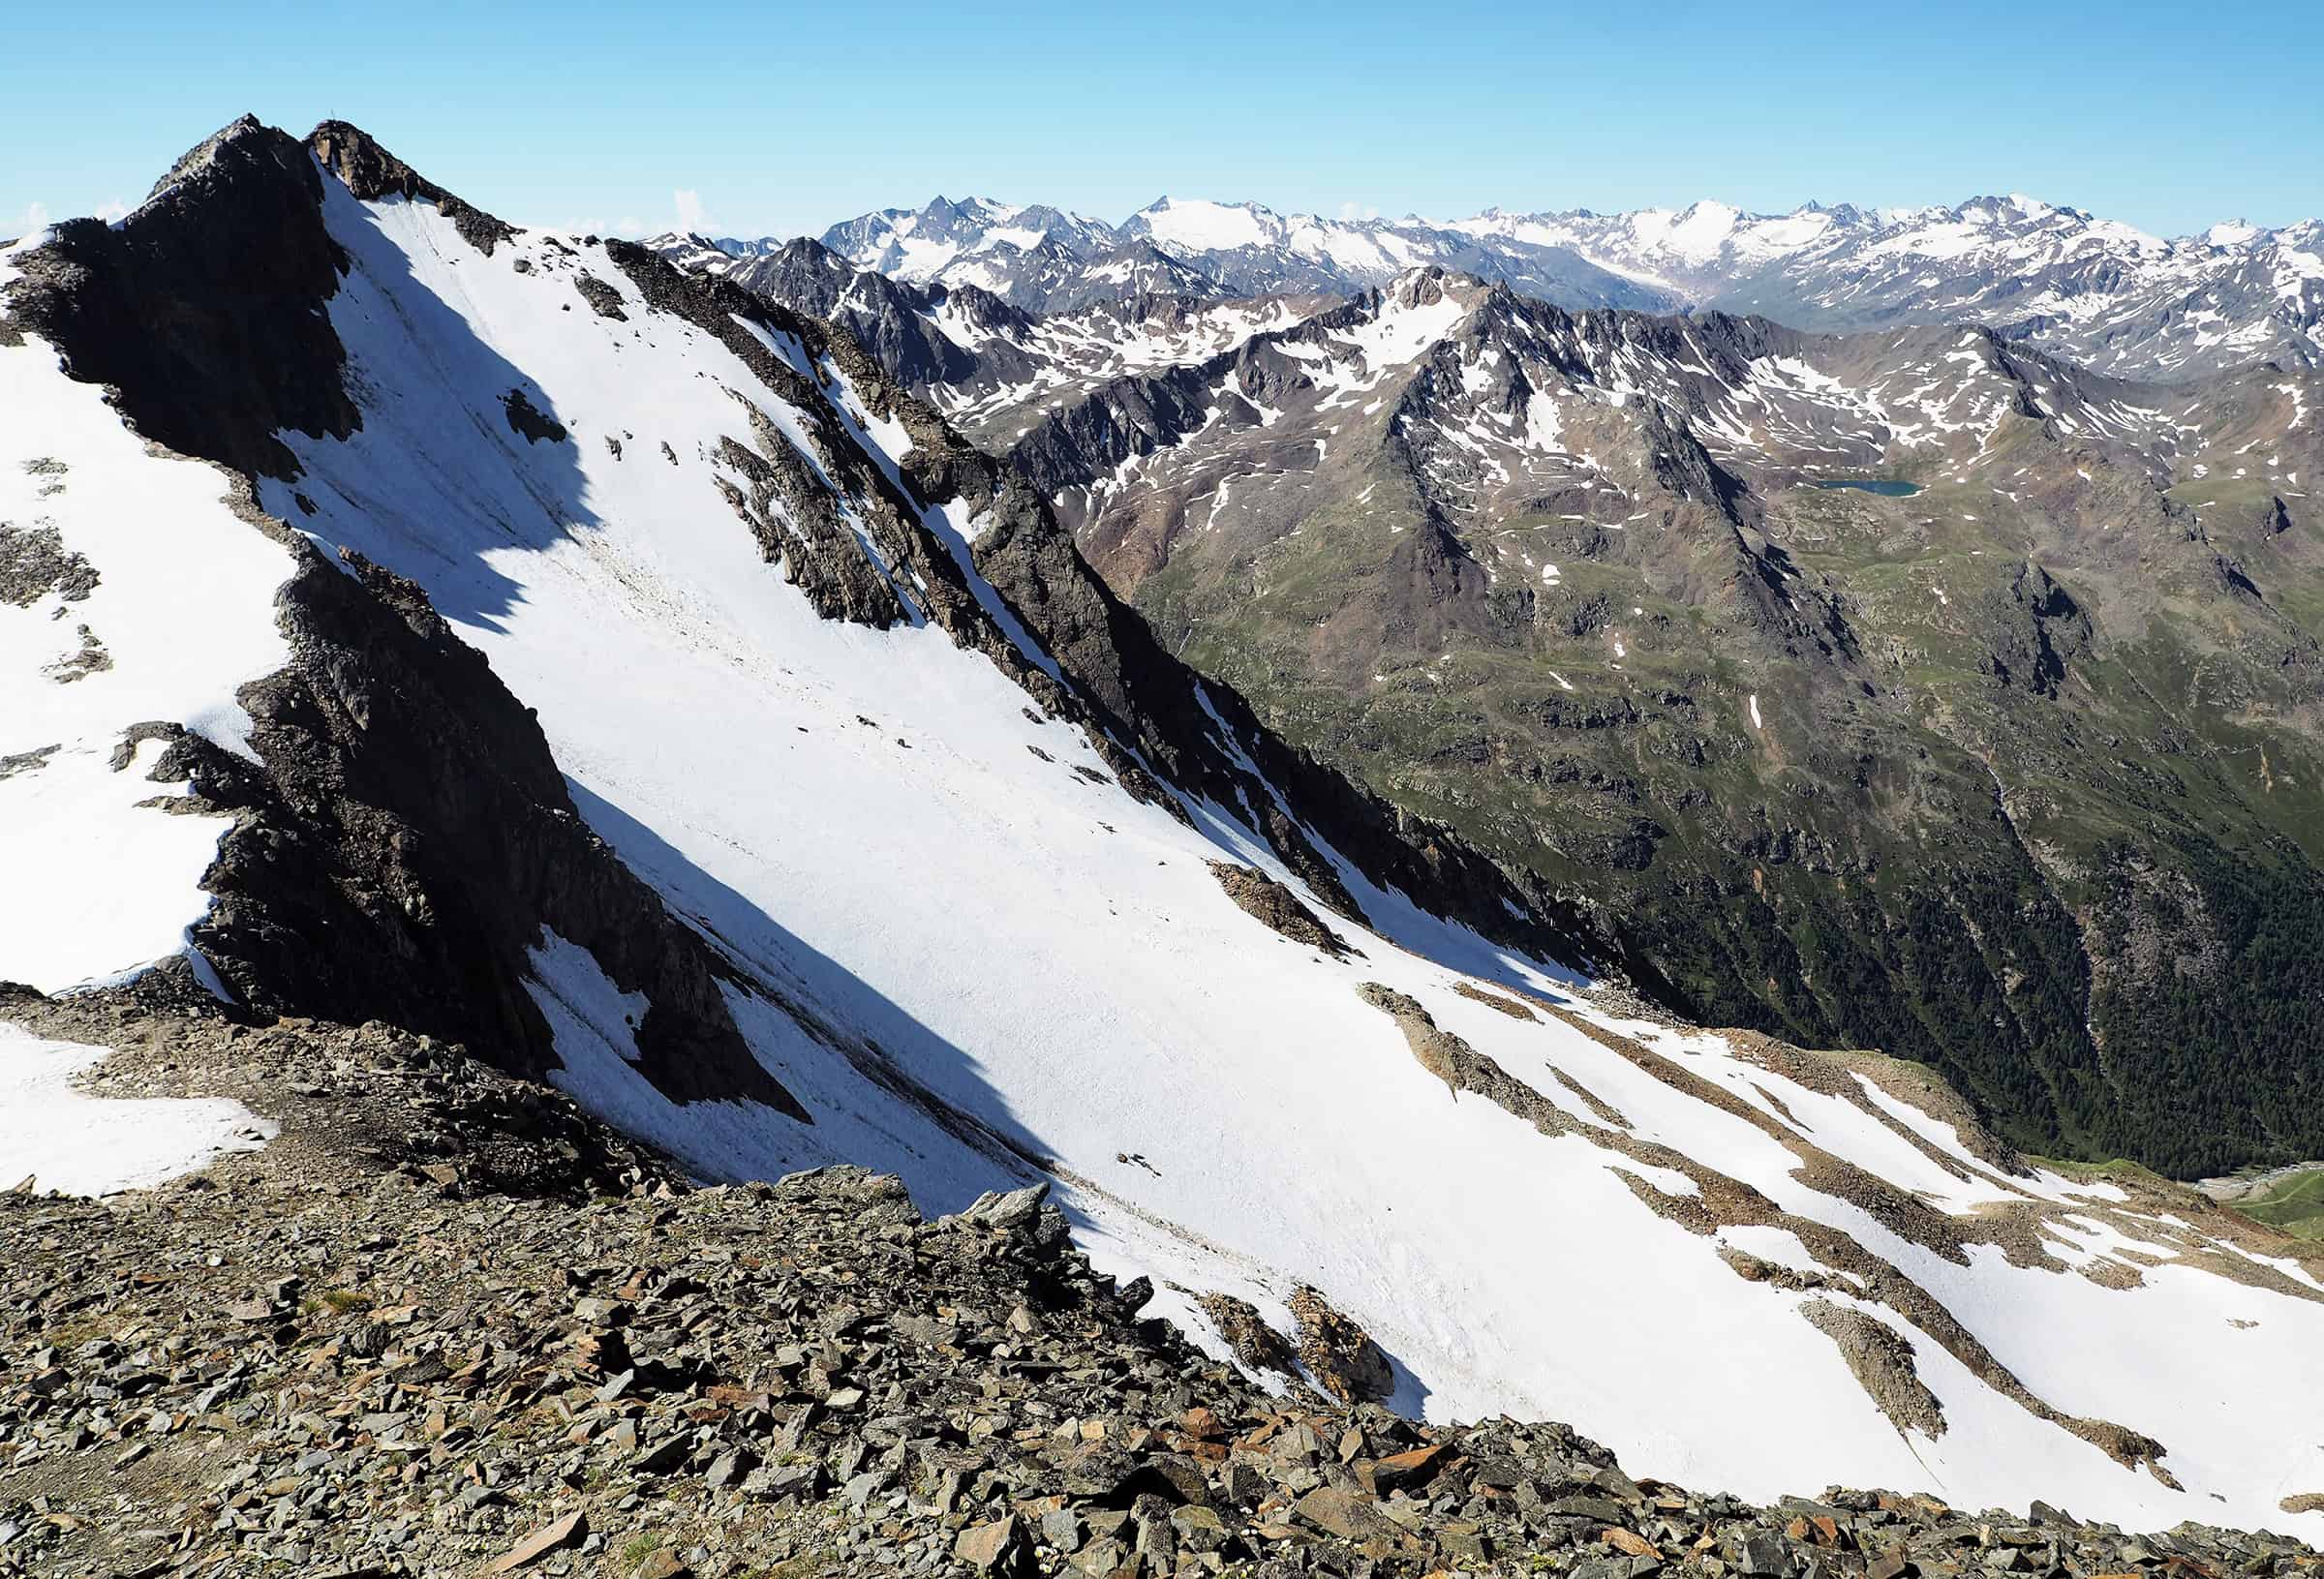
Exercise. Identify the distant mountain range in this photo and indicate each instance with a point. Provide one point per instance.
(2098, 291)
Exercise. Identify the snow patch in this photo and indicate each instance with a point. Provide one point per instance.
(66, 1139)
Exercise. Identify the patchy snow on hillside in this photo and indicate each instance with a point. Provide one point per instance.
(63, 1138)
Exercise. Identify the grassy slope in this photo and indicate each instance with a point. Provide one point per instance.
(2294, 1205)
(1819, 876)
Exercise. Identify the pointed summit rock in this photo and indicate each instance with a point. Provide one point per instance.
(371, 173)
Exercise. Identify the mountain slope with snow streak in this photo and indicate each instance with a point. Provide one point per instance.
(1509, 409)
(949, 930)
(61, 1138)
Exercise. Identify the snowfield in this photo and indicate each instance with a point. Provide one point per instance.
(179, 614)
(995, 959)
(62, 1139)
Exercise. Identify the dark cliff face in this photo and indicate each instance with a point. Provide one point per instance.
(204, 308)
(893, 321)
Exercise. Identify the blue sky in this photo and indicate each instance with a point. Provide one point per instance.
(781, 118)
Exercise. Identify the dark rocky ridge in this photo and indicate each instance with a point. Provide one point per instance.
(372, 172)
(1276, 908)
(891, 318)
(409, 835)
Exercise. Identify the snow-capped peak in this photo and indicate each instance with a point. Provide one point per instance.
(1197, 225)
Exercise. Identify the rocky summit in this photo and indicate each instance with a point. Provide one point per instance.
(1003, 895)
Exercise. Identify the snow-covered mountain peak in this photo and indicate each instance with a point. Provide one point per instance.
(917, 243)
(2088, 287)
(692, 250)
(1200, 225)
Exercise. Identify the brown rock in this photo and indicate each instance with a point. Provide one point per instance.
(1494, 1000)
(604, 1353)
(563, 1531)
(1880, 1359)
(1438, 1052)
(1403, 1471)
(1892, 1564)
(1254, 1343)
(1203, 1424)
(1630, 1543)
(1339, 1354)
(986, 1545)
(1274, 905)
(1347, 1514)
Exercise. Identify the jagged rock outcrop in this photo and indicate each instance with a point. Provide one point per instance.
(1338, 1353)
(212, 343)
(1247, 1336)
(406, 837)
(1275, 906)
(1438, 1052)
(371, 172)
(1880, 1359)
(34, 562)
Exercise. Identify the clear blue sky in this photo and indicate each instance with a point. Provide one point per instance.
(783, 118)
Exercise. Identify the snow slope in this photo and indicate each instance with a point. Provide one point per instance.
(990, 957)
(177, 619)
(975, 959)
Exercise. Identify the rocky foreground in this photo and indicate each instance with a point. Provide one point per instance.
(449, 1324)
